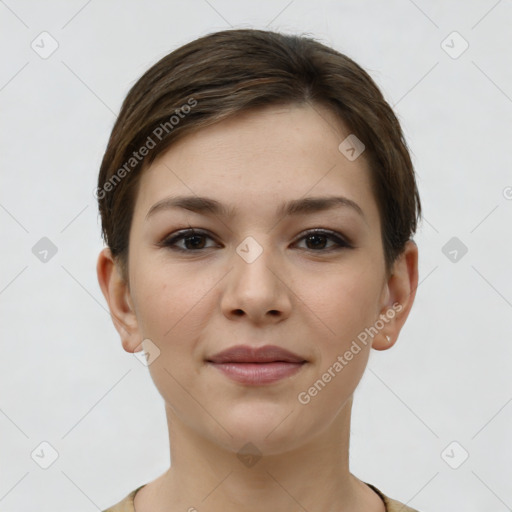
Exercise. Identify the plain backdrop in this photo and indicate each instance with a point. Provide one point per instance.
(432, 416)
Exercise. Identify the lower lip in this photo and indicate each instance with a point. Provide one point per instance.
(258, 373)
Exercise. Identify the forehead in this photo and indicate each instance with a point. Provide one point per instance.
(255, 161)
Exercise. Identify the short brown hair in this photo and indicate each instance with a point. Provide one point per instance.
(228, 72)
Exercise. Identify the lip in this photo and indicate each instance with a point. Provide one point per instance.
(247, 354)
(257, 366)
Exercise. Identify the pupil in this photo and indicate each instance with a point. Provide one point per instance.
(194, 237)
(312, 237)
(195, 240)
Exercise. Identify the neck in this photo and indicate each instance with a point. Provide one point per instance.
(207, 476)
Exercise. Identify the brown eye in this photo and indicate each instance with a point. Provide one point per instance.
(317, 240)
(193, 241)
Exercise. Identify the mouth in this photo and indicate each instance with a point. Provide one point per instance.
(257, 366)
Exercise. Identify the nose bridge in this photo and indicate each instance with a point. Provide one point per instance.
(255, 286)
(254, 262)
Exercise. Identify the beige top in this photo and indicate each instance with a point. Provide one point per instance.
(126, 505)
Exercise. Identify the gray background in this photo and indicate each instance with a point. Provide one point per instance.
(64, 377)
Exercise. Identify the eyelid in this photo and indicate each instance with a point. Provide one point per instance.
(326, 232)
(182, 234)
(340, 240)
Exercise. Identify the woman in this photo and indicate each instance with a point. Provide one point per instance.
(257, 199)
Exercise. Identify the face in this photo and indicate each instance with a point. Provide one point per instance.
(309, 281)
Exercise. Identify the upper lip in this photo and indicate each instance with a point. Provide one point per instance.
(247, 354)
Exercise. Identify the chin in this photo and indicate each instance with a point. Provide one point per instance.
(268, 426)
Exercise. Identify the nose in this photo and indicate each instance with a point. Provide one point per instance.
(256, 288)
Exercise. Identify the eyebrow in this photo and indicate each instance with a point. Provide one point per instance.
(206, 205)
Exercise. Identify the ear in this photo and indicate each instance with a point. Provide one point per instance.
(397, 297)
(117, 294)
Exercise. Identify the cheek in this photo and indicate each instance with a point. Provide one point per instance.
(175, 310)
(345, 303)
(173, 313)
(165, 301)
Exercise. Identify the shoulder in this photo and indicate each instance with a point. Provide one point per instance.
(391, 504)
(126, 504)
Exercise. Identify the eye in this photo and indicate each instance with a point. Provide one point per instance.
(193, 240)
(318, 237)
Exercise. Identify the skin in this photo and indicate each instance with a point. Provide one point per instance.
(298, 294)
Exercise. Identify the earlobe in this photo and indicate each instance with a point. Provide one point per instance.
(116, 293)
(400, 292)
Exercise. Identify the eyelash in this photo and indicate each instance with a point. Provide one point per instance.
(170, 241)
